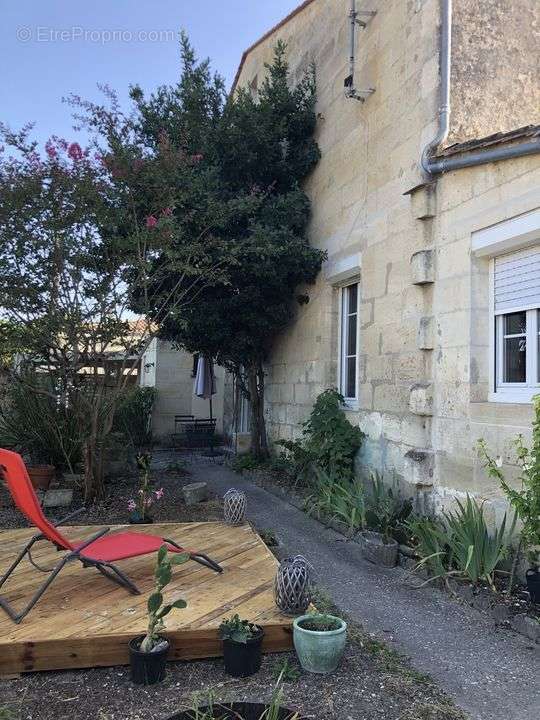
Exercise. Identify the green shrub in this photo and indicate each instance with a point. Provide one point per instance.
(329, 441)
(246, 462)
(133, 416)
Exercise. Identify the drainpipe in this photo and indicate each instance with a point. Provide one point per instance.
(429, 164)
(444, 105)
(359, 18)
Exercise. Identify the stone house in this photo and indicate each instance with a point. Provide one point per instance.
(172, 372)
(427, 199)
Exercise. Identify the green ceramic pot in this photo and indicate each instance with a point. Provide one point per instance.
(319, 651)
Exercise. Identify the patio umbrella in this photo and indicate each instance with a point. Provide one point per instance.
(205, 380)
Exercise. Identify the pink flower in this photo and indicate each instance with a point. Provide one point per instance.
(50, 150)
(166, 211)
(75, 152)
(196, 158)
(159, 493)
(132, 505)
(151, 221)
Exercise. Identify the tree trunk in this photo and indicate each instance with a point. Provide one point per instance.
(93, 470)
(515, 562)
(259, 443)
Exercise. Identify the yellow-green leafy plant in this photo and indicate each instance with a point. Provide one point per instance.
(157, 609)
(525, 500)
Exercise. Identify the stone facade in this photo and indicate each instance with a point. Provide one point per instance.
(169, 371)
(423, 371)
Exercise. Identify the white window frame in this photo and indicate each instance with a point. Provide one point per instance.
(504, 391)
(351, 402)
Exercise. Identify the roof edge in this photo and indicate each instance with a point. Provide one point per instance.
(264, 37)
(483, 143)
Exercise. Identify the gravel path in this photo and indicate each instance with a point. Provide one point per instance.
(493, 674)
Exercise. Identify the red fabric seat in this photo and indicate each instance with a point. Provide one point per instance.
(111, 548)
(99, 551)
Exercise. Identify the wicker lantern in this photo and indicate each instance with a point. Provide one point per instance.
(293, 586)
(234, 506)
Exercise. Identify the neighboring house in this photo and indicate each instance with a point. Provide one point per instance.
(426, 315)
(172, 372)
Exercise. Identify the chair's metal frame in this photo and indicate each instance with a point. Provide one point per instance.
(107, 569)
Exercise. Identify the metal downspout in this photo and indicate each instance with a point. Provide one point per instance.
(429, 164)
(444, 103)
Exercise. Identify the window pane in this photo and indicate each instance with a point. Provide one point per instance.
(351, 335)
(351, 378)
(515, 352)
(515, 323)
(353, 298)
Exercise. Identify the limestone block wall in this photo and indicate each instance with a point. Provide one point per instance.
(495, 83)
(170, 372)
(424, 355)
(468, 201)
(369, 154)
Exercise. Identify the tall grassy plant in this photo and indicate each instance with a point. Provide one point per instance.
(338, 499)
(461, 544)
(473, 550)
(40, 424)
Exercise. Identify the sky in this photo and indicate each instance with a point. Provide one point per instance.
(51, 48)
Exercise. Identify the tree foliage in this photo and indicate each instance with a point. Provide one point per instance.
(253, 155)
(85, 238)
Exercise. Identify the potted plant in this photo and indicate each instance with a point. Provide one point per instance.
(319, 641)
(148, 653)
(41, 476)
(242, 643)
(384, 511)
(146, 497)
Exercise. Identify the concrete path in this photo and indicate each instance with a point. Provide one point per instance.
(493, 674)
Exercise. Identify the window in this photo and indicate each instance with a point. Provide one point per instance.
(516, 304)
(349, 342)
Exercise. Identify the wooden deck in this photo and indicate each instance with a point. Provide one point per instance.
(84, 620)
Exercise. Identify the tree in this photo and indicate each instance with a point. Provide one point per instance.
(254, 153)
(80, 236)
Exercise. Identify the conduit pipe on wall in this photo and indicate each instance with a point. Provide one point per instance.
(430, 164)
(444, 89)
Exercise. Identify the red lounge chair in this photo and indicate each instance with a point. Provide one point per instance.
(98, 551)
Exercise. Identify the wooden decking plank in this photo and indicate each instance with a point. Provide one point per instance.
(84, 620)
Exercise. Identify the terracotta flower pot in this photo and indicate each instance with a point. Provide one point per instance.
(41, 476)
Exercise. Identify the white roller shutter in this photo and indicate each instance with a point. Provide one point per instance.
(517, 280)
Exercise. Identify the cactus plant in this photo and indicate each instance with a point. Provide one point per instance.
(157, 610)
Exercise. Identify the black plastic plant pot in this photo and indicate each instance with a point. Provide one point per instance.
(243, 659)
(147, 668)
(236, 711)
(533, 584)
